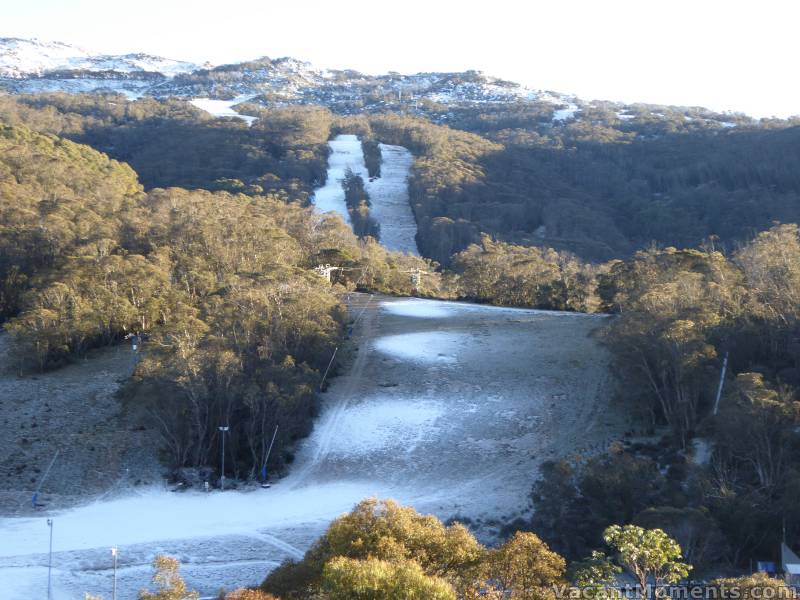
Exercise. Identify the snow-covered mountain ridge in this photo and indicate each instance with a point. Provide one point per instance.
(31, 66)
(25, 58)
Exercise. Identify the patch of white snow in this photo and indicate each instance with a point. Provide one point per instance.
(346, 153)
(434, 347)
(565, 114)
(223, 108)
(390, 205)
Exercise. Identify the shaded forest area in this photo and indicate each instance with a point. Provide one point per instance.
(172, 143)
(598, 190)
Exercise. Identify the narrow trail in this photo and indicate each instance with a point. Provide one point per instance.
(337, 407)
(280, 544)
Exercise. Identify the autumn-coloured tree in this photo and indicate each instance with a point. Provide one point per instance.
(167, 579)
(524, 568)
(373, 579)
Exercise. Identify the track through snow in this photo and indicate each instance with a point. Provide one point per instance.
(449, 407)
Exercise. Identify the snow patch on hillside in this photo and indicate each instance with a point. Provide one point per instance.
(346, 153)
(565, 114)
(223, 108)
(133, 89)
(390, 205)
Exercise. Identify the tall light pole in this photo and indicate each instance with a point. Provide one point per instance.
(114, 592)
(50, 558)
(223, 431)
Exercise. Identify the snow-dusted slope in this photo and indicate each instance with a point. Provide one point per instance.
(391, 207)
(31, 65)
(20, 58)
(448, 407)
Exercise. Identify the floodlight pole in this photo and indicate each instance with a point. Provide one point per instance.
(114, 553)
(223, 430)
(50, 559)
(721, 383)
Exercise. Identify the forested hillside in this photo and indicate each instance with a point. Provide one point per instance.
(601, 184)
(172, 143)
(220, 286)
(518, 208)
(597, 186)
(722, 478)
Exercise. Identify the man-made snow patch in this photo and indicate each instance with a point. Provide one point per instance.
(388, 193)
(390, 205)
(27, 582)
(417, 307)
(432, 347)
(385, 424)
(223, 108)
(346, 153)
(155, 515)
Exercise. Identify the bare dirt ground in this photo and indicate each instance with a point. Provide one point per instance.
(72, 411)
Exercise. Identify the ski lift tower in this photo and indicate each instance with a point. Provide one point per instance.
(416, 277)
(326, 270)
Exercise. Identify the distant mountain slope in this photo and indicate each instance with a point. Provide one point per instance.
(24, 58)
(32, 66)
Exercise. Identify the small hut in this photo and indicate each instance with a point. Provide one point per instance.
(790, 565)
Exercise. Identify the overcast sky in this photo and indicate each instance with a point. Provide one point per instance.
(734, 55)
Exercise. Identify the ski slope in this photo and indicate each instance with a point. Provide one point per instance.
(446, 406)
(388, 193)
(346, 153)
(390, 205)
